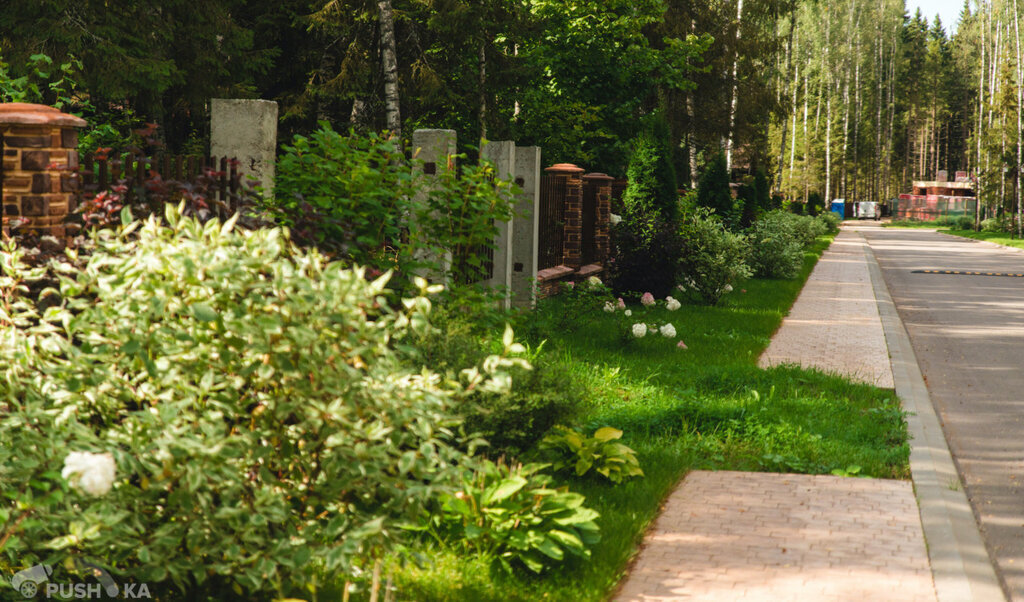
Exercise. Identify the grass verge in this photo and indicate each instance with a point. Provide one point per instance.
(706, 407)
(1000, 238)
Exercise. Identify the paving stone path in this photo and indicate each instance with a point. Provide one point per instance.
(818, 334)
(735, 536)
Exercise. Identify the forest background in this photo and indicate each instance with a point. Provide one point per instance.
(847, 98)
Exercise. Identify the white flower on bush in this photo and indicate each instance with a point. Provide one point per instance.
(609, 307)
(671, 304)
(639, 330)
(594, 281)
(629, 312)
(728, 288)
(89, 472)
(614, 219)
(667, 331)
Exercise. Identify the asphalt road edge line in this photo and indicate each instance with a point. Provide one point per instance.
(961, 567)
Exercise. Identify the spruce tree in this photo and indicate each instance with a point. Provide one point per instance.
(652, 177)
(713, 189)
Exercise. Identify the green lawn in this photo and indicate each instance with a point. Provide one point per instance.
(706, 407)
(1001, 238)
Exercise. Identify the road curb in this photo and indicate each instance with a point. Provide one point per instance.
(961, 567)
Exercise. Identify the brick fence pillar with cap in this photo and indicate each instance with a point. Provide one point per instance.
(602, 223)
(573, 213)
(39, 158)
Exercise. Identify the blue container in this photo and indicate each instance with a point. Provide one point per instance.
(839, 208)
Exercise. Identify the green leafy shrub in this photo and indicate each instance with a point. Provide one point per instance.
(713, 258)
(830, 221)
(263, 417)
(512, 420)
(601, 453)
(361, 183)
(956, 222)
(806, 229)
(646, 252)
(513, 515)
(357, 195)
(996, 224)
(775, 252)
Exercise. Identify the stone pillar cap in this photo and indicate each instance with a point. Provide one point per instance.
(565, 168)
(598, 176)
(23, 113)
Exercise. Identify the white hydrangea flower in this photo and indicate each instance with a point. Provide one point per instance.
(639, 330)
(594, 281)
(667, 331)
(629, 312)
(89, 472)
(728, 288)
(671, 304)
(609, 307)
(614, 219)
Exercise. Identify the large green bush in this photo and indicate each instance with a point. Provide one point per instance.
(806, 229)
(357, 195)
(713, 258)
(511, 420)
(257, 401)
(775, 250)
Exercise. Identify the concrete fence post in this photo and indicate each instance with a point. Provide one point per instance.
(435, 153)
(503, 155)
(246, 130)
(526, 227)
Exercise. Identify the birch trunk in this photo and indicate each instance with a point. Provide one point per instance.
(483, 90)
(790, 50)
(735, 87)
(1016, 31)
(981, 118)
(389, 63)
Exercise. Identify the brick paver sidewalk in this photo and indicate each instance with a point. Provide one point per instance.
(834, 324)
(735, 536)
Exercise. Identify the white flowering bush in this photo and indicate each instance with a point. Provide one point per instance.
(217, 412)
(647, 325)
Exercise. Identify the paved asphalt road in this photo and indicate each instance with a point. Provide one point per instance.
(968, 334)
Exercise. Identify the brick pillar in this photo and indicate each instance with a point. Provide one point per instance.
(39, 157)
(604, 209)
(572, 239)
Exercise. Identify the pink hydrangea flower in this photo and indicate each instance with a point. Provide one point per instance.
(681, 345)
(647, 299)
(621, 304)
